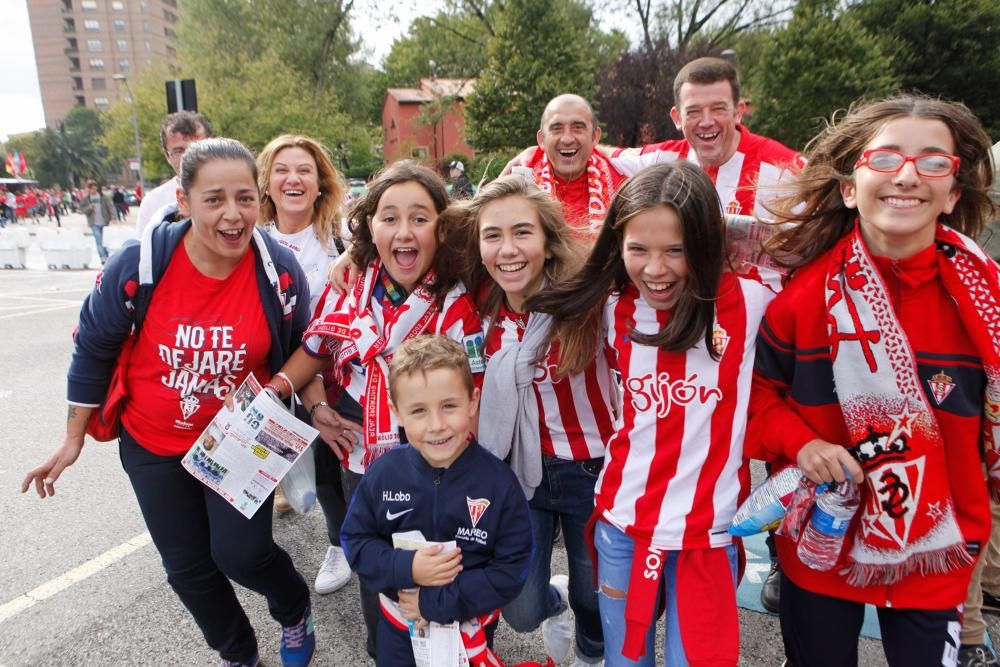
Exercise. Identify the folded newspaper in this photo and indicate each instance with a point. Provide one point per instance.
(244, 452)
(437, 644)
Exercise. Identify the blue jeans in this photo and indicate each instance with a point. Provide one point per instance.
(102, 252)
(566, 494)
(614, 567)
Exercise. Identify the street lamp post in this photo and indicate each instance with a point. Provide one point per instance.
(135, 125)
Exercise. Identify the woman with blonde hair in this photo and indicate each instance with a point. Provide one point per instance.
(302, 206)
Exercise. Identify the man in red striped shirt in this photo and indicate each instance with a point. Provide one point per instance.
(709, 112)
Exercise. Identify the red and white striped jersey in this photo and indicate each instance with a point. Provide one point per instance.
(758, 163)
(576, 413)
(458, 320)
(671, 474)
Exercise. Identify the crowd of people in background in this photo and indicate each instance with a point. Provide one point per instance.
(28, 203)
(573, 348)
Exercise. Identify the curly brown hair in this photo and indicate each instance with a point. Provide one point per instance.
(363, 250)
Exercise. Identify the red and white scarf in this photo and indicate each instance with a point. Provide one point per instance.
(601, 185)
(907, 520)
(472, 632)
(367, 334)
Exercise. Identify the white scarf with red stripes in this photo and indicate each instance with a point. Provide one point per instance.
(600, 185)
(372, 338)
(472, 632)
(907, 521)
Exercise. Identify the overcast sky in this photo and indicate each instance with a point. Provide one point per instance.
(20, 99)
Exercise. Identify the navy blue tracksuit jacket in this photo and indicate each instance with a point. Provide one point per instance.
(477, 502)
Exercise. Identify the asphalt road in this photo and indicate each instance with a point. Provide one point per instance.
(81, 585)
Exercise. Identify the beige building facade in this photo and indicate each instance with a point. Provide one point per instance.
(81, 45)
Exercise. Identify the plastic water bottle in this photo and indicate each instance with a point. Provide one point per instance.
(823, 537)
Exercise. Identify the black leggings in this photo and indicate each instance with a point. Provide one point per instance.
(204, 542)
(371, 609)
(330, 490)
(823, 631)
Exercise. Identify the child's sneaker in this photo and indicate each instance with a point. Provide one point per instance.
(334, 573)
(976, 655)
(557, 631)
(298, 642)
(252, 662)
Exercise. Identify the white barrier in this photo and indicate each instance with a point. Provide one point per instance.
(115, 237)
(14, 248)
(65, 249)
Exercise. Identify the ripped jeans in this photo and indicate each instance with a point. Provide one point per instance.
(614, 567)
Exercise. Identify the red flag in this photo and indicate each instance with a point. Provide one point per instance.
(10, 165)
(23, 168)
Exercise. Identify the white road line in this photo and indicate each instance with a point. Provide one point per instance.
(47, 309)
(54, 291)
(74, 576)
(48, 299)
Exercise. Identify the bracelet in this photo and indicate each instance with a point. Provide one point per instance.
(284, 378)
(318, 405)
(274, 390)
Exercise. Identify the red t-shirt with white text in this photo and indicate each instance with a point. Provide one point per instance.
(199, 340)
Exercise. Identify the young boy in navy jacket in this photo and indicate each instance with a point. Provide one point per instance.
(445, 485)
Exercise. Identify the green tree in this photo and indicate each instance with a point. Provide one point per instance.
(947, 48)
(285, 66)
(119, 135)
(539, 50)
(446, 46)
(821, 61)
(72, 152)
(232, 39)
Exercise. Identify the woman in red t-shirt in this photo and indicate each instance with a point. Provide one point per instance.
(212, 319)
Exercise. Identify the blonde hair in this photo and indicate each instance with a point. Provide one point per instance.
(428, 353)
(329, 206)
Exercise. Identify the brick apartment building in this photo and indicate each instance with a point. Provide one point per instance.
(80, 45)
(413, 128)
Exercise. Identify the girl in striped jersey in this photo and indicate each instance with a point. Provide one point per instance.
(681, 331)
(406, 287)
(517, 240)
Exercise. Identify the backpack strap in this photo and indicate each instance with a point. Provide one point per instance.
(147, 277)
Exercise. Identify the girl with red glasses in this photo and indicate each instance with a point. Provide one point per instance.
(880, 361)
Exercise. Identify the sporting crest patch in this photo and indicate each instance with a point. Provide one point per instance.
(477, 507)
(941, 385)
